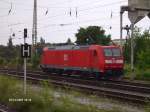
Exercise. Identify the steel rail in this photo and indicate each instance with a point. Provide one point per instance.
(108, 84)
(88, 86)
(4, 108)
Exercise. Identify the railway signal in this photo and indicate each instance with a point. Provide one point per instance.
(25, 33)
(25, 53)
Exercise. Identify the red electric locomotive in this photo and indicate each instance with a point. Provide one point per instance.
(98, 61)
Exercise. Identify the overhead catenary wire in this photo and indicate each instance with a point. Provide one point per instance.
(87, 9)
(63, 24)
(15, 24)
(38, 6)
(73, 22)
(103, 5)
(1, 16)
(10, 10)
(66, 24)
(75, 30)
(80, 10)
(52, 17)
(5, 1)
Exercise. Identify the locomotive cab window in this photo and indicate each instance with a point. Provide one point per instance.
(112, 52)
(116, 52)
(108, 52)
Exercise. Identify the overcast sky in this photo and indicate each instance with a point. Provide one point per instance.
(53, 13)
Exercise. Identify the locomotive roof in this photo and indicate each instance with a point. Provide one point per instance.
(67, 47)
(73, 47)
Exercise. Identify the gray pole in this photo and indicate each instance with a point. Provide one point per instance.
(132, 47)
(35, 21)
(34, 29)
(25, 74)
(121, 24)
(33, 33)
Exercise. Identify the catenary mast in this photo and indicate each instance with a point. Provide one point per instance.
(34, 28)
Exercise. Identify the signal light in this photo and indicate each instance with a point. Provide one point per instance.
(25, 32)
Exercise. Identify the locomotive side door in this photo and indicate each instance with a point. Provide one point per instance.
(94, 60)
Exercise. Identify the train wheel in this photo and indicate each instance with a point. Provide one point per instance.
(119, 78)
(97, 76)
(44, 69)
(83, 75)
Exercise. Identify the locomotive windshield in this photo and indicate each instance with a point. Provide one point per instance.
(116, 52)
(112, 52)
(108, 52)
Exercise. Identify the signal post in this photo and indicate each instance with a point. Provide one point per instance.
(25, 53)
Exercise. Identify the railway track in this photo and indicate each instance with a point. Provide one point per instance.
(123, 90)
(4, 108)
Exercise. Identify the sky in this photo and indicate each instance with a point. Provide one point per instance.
(55, 24)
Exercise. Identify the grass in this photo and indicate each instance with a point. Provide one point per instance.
(143, 75)
(43, 100)
(139, 74)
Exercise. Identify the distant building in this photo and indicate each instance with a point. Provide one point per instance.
(117, 41)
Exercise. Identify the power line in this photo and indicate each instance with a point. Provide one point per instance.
(39, 6)
(102, 12)
(71, 30)
(3, 8)
(15, 24)
(99, 6)
(64, 2)
(3, 16)
(103, 5)
(78, 14)
(4, 1)
(86, 9)
(72, 23)
(60, 24)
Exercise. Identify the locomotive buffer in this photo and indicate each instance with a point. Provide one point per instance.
(25, 53)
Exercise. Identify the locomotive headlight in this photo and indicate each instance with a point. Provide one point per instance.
(108, 61)
(119, 61)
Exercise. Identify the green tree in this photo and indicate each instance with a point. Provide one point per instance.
(92, 35)
(35, 60)
(10, 43)
(42, 41)
(9, 53)
(141, 48)
(2, 61)
(143, 59)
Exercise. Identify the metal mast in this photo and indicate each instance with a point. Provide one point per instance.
(34, 28)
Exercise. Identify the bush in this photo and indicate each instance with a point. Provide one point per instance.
(143, 75)
(144, 59)
(35, 60)
(7, 86)
(139, 74)
(2, 61)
